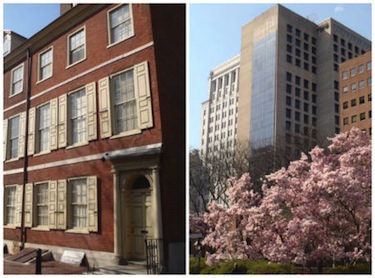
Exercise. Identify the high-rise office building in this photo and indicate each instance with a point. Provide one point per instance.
(355, 93)
(289, 82)
(219, 112)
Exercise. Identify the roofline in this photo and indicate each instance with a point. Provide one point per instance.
(51, 32)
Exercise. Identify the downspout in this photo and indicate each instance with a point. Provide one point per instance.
(25, 160)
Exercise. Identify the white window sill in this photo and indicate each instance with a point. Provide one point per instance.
(127, 133)
(44, 79)
(10, 226)
(81, 144)
(12, 160)
(116, 43)
(41, 228)
(42, 153)
(75, 63)
(78, 231)
(14, 94)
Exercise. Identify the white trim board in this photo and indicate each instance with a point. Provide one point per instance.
(123, 152)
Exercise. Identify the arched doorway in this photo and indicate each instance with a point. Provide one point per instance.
(141, 220)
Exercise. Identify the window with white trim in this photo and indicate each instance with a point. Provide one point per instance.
(82, 204)
(14, 137)
(16, 80)
(14, 133)
(44, 122)
(10, 205)
(77, 47)
(120, 24)
(125, 102)
(45, 64)
(41, 204)
(77, 115)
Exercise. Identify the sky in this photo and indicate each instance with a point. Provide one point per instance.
(28, 19)
(213, 37)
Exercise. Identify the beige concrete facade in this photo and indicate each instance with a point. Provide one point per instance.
(298, 108)
(219, 112)
(355, 92)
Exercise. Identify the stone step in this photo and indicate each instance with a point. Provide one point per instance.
(134, 269)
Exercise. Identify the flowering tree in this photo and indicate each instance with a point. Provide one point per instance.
(227, 226)
(318, 209)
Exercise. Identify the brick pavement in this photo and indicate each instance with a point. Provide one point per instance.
(49, 267)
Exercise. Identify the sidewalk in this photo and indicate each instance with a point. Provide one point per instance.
(49, 267)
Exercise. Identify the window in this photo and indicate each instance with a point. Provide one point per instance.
(362, 100)
(345, 75)
(353, 87)
(361, 84)
(82, 205)
(14, 133)
(345, 105)
(353, 102)
(10, 202)
(120, 24)
(41, 204)
(289, 28)
(78, 197)
(345, 89)
(298, 32)
(353, 71)
(17, 80)
(77, 47)
(361, 68)
(288, 76)
(77, 115)
(297, 80)
(369, 81)
(369, 66)
(346, 121)
(45, 64)
(354, 118)
(125, 105)
(43, 123)
(362, 116)
(289, 58)
(128, 110)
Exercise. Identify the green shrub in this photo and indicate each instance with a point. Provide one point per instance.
(364, 268)
(249, 267)
(264, 267)
(194, 267)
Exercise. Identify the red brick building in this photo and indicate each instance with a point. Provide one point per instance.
(356, 97)
(94, 134)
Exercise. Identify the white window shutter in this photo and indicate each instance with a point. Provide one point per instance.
(5, 139)
(29, 205)
(52, 204)
(92, 205)
(61, 205)
(143, 94)
(31, 132)
(53, 124)
(91, 111)
(62, 121)
(105, 108)
(22, 133)
(18, 213)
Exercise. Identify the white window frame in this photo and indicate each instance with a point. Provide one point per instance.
(37, 226)
(109, 27)
(40, 79)
(38, 129)
(91, 206)
(135, 130)
(69, 63)
(12, 93)
(69, 122)
(7, 205)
